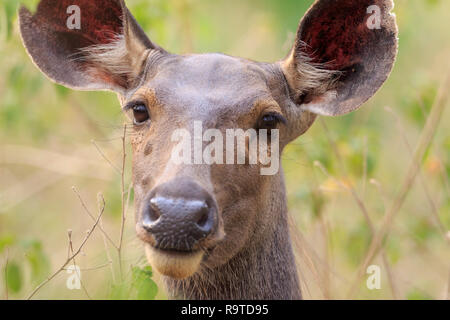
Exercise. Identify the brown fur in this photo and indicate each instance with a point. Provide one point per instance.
(334, 66)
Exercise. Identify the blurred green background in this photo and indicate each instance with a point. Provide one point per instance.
(46, 134)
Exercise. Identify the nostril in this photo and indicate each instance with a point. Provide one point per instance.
(178, 219)
(203, 216)
(153, 211)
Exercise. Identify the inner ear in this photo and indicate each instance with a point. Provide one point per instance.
(105, 51)
(340, 59)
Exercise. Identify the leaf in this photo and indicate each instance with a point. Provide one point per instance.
(62, 92)
(433, 2)
(38, 260)
(423, 231)
(415, 294)
(119, 291)
(358, 242)
(146, 288)
(10, 7)
(13, 275)
(393, 249)
(6, 241)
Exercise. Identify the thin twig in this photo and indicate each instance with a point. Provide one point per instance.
(100, 199)
(104, 265)
(445, 178)
(349, 186)
(383, 195)
(83, 204)
(390, 275)
(434, 209)
(326, 273)
(371, 229)
(365, 165)
(26, 188)
(105, 157)
(424, 143)
(70, 258)
(67, 165)
(6, 274)
(86, 117)
(448, 287)
(310, 255)
(76, 268)
(128, 199)
(447, 294)
(122, 226)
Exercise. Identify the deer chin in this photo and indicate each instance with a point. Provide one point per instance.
(174, 264)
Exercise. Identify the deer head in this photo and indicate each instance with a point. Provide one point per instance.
(204, 214)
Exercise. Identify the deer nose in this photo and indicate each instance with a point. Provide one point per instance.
(178, 215)
(191, 216)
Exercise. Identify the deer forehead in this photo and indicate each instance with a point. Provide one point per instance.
(207, 84)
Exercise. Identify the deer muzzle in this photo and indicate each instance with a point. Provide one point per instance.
(178, 219)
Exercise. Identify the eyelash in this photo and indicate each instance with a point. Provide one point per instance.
(144, 112)
(278, 118)
(132, 104)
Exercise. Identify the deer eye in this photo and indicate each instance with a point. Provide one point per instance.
(140, 113)
(270, 121)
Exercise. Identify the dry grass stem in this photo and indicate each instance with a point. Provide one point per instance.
(424, 143)
(69, 259)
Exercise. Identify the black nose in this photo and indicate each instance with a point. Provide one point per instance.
(178, 214)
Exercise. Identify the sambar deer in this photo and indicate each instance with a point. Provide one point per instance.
(215, 231)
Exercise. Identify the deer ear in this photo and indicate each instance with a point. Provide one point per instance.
(343, 53)
(85, 44)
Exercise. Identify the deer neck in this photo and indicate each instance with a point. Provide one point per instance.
(265, 269)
